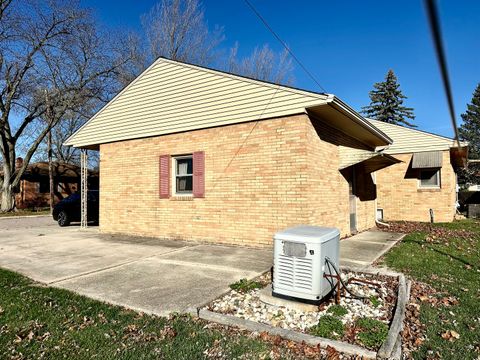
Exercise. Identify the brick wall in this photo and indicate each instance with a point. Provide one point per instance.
(31, 197)
(329, 195)
(260, 177)
(402, 199)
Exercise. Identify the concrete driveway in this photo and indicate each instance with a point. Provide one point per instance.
(145, 274)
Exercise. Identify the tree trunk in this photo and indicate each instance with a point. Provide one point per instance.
(7, 198)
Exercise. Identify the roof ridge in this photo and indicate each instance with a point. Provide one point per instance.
(244, 78)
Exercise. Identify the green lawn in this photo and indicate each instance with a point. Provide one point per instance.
(447, 258)
(43, 322)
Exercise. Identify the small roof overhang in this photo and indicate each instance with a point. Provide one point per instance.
(374, 162)
(427, 160)
(342, 117)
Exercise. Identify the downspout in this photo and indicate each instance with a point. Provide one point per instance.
(378, 222)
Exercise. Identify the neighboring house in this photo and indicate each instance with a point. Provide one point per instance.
(424, 180)
(192, 153)
(34, 189)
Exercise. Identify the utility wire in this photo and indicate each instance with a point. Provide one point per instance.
(437, 39)
(284, 44)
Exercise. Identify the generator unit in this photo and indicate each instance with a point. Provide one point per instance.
(299, 262)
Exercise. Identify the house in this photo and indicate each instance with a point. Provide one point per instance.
(34, 189)
(424, 183)
(199, 154)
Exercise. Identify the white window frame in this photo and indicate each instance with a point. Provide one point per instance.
(174, 175)
(436, 186)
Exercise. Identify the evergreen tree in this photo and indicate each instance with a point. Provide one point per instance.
(470, 129)
(387, 103)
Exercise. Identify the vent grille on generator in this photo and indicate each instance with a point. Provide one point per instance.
(295, 272)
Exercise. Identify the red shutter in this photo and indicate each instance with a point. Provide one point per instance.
(164, 176)
(199, 174)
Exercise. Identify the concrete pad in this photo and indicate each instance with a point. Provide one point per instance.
(154, 286)
(361, 250)
(148, 274)
(57, 256)
(265, 296)
(380, 237)
(256, 260)
(13, 222)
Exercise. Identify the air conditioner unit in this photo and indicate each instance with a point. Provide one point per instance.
(299, 262)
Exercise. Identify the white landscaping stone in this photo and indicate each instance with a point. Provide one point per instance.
(249, 306)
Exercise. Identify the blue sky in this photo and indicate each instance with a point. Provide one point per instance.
(349, 45)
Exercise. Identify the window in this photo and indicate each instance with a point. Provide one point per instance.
(44, 187)
(429, 178)
(183, 175)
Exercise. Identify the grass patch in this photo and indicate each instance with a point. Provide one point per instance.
(42, 322)
(450, 264)
(375, 302)
(337, 310)
(329, 327)
(372, 332)
(26, 212)
(244, 285)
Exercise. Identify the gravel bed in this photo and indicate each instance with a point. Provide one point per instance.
(248, 305)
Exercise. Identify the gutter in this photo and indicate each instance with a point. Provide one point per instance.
(333, 101)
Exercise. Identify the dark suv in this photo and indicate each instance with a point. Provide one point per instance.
(68, 209)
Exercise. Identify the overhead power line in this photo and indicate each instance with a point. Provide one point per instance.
(297, 60)
(437, 40)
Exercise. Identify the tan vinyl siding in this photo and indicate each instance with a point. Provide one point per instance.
(349, 156)
(172, 97)
(407, 140)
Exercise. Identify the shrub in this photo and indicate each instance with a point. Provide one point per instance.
(337, 310)
(244, 285)
(372, 332)
(328, 327)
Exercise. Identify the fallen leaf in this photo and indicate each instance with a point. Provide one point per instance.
(332, 353)
(264, 336)
(454, 334)
(450, 335)
(418, 342)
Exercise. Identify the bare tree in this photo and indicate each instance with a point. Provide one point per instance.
(52, 51)
(67, 126)
(262, 64)
(176, 29)
(135, 50)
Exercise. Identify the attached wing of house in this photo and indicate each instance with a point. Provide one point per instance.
(425, 146)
